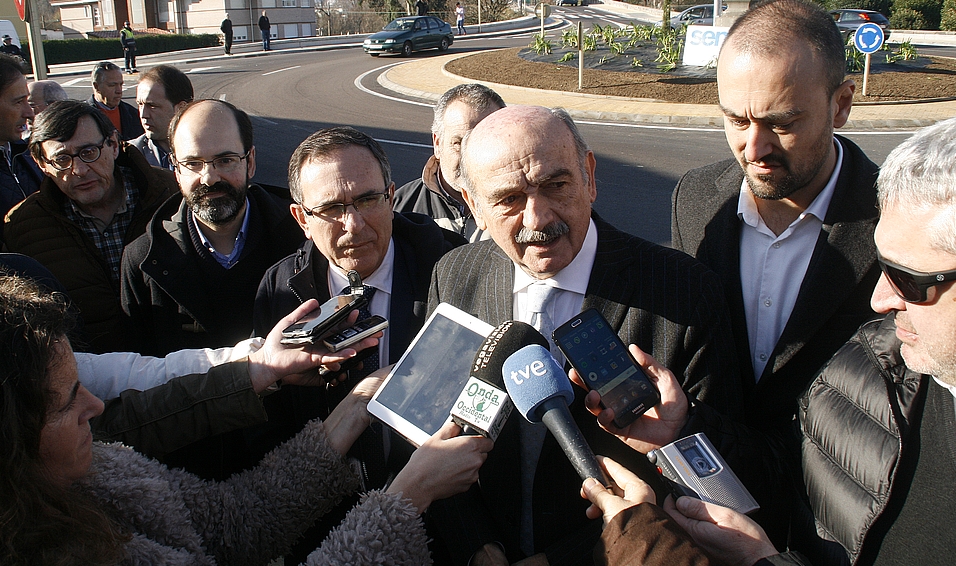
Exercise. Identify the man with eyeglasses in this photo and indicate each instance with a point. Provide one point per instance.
(877, 426)
(342, 186)
(97, 197)
(191, 279)
(788, 223)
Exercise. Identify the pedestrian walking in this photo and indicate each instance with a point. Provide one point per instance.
(265, 28)
(226, 28)
(460, 18)
(421, 8)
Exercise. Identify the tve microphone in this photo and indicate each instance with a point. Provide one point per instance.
(541, 392)
(483, 406)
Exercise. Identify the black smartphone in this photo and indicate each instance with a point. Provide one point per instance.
(603, 362)
(358, 331)
(320, 322)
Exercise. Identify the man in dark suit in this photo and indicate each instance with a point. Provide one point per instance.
(341, 183)
(789, 224)
(529, 178)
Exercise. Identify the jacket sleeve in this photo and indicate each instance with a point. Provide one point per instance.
(107, 375)
(182, 411)
(646, 535)
(258, 514)
(381, 530)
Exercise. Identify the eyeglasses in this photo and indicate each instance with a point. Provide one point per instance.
(336, 210)
(88, 154)
(223, 163)
(913, 286)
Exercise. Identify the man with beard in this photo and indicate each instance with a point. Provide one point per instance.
(97, 197)
(529, 177)
(789, 224)
(191, 279)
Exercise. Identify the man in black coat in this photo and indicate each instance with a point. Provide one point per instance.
(341, 183)
(108, 98)
(789, 224)
(529, 178)
(226, 28)
(265, 28)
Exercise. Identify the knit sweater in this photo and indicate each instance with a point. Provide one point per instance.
(177, 518)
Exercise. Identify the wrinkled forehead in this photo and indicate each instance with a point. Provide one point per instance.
(503, 158)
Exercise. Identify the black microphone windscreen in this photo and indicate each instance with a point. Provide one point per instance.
(506, 339)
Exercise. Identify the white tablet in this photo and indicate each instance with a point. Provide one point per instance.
(417, 395)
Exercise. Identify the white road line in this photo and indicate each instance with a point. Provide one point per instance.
(222, 97)
(280, 70)
(201, 69)
(410, 144)
(267, 121)
(75, 81)
(358, 84)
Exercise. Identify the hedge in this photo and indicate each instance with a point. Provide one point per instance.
(59, 51)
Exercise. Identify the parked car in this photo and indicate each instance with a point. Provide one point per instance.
(700, 15)
(405, 35)
(848, 21)
(572, 2)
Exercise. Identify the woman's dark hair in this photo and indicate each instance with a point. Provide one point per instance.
(41, 522)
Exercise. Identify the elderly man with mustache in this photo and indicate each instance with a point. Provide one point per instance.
(529, 177)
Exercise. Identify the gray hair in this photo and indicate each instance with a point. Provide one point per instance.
(476, 96)
(101, 69)
(51, 91)
(580, 147)
(921, 173)
(325, 143)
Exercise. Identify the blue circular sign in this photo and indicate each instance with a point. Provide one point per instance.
(868, 38)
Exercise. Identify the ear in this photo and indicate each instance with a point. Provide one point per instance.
(251, 162)
(590, 165)
(436, 146)
(115, 144)
(842, 102)
(300, 218)
(476, 211)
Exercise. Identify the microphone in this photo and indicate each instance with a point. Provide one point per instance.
(542, 392)
(483, 406)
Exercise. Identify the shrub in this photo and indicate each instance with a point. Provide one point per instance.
(75, 50)
(907, 18)
(948, 17)
(903, 17)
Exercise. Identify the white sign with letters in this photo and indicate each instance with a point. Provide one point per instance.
(702, 45)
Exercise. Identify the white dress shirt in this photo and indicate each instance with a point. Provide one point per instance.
(381, 280)
(772, 267)
(572, 282)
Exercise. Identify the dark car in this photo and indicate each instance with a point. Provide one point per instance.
(413, 33)
(847, 21)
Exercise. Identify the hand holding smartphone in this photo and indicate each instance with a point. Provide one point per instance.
(600, 357)
(317, 324)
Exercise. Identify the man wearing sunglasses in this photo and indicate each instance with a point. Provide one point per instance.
(97, 197)
(342, 186)
(877, 427)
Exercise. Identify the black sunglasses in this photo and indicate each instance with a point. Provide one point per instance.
(912, 286)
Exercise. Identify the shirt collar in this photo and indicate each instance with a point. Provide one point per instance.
(575, 276)
(380, 279)
(747, 203)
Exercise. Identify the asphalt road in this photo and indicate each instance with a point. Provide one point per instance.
(293, 94)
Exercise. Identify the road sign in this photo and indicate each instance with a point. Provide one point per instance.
(868, 38)
(22, 10)
(542, 10)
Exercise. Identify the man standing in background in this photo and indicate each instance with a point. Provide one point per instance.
(129, 48)
(162, 91)
(265, 27)
(226, 28)
(108, 98)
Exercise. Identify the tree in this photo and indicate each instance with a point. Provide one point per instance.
(948, 19)
(916, 14)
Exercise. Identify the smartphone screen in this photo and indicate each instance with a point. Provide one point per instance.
(602, 360)
(330, 312)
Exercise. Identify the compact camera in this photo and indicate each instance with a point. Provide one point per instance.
(693, 467)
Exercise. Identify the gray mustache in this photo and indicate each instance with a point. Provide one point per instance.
(550, 232)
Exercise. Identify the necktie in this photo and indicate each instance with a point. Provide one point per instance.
(532, 436)
(372, 362)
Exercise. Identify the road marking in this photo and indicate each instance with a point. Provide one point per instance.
(270, 122)
(222, 97)
(410, 144)
(75, 81)
(280, 70)
(201, 69)
(358, 84)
